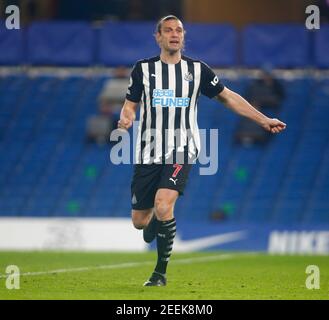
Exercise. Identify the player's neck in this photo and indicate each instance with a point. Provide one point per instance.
(170, 58)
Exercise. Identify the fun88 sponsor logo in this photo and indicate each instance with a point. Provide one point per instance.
(166, 98)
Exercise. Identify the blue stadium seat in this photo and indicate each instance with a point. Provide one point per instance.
(50, 171)
(321, 46)
(277, 45)
(116, 50)
(12, 46)
(60, 43)
(220, 41)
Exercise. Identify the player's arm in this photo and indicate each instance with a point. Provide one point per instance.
(239, 105)
(133, 97)
(128, 114)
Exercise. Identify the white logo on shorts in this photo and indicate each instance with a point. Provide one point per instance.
(173, 180)
(134, 199)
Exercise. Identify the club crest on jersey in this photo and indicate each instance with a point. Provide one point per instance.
(166, 98)
(188, 77)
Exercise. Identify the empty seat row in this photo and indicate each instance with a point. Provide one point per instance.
(70, 43)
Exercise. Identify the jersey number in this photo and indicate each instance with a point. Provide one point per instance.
(178, 168)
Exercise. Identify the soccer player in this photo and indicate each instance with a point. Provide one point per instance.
(167, 87)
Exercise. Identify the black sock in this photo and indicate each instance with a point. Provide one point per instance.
(165, 240)
(153, 223)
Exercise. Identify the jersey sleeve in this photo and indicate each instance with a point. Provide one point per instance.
(210, 83)
(135, 88)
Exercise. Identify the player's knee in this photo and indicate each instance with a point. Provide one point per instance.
(163, 208)
(139, 224)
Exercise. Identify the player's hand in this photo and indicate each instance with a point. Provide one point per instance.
(127, 115)
(124, 123)
(274, 125)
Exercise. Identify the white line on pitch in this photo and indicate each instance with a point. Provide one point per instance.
(127, 265)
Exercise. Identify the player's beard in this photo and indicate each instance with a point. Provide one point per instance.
(172, 50)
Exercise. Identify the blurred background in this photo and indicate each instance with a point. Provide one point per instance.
(63, 77)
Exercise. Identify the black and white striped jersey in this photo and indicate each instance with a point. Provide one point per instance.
(168, 95)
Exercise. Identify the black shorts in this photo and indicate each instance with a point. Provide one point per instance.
(148, 178)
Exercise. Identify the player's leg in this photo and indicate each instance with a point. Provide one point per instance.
(149, 232)
(141, 218)
(164, 211)
(146, 220)
(166, 230)
(164, 203)
(165, 200)
(172, 184)
(143, 189)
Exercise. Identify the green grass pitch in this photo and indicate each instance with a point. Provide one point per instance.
(120, 276)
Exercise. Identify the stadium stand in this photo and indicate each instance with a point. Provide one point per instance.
(280, 45)
(60, 43)
(11, 46)
(221, 45)
(47, 169)
(321, 45)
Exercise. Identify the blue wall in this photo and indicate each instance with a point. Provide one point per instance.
(115, 43)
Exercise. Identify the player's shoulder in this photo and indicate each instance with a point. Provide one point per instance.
(192, 60)
(147, 60)
(189, 59)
